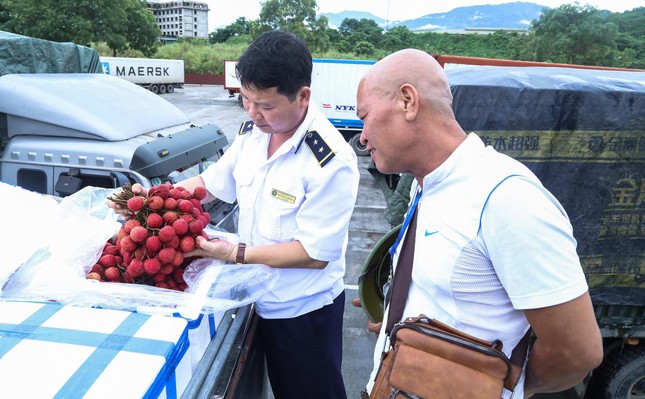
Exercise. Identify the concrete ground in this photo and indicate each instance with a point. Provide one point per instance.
(211, 104)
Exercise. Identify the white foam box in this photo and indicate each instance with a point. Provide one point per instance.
(201, 331)
(48, 350)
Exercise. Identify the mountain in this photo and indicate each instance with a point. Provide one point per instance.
(515, 15)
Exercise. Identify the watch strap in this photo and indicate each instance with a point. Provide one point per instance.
(241, 250)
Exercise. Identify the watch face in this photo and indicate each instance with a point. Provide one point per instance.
(375, 275)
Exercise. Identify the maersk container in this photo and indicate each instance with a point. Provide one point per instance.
(157, 75)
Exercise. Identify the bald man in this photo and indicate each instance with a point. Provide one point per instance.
(494, 250)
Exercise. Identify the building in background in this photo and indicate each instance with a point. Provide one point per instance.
(180, 18)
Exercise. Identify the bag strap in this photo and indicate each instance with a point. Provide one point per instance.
(403, 276)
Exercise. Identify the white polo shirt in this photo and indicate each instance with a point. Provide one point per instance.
(490, 241)
(293, 196)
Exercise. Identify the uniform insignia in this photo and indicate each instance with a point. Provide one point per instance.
(246, 127)
(318, 146)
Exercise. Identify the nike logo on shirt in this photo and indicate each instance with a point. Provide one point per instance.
(429, 233)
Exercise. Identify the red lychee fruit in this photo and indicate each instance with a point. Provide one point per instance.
(112, 274)
(155, 202)
(196, 226)
(178, 275)
(127, 244)
(196, 204)
(135, 268)
(187, 244)
(166, 269)
(179, 259)
(170, 217)
(110, 249)
(93, 276)
(166, 234)
(200, 193)
(107, 261)
(180, 226)
(170, 203)
(151, 266)
(135, 203)
(127, 226)
(153, 244)
(138, 234)
(185, 206)
(175, 193)
(166, 255)
(154, 220)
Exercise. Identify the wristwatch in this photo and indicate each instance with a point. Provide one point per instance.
(241, 248)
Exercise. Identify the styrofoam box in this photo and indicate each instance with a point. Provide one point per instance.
(48, 350)
(200, 333)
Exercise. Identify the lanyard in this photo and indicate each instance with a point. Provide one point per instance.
(404, 227)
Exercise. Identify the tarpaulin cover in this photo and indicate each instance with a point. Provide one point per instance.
(22, 54)
(582, 132)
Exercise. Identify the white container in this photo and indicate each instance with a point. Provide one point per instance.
(49, 350)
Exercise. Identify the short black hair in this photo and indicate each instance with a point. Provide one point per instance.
(276, 59)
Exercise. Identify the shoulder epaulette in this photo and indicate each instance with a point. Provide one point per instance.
(318, 146)
(246, 127)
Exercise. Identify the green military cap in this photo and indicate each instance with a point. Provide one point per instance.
(374, 275)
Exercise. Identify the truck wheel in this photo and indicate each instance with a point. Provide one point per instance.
(622, 375)
(162, 89)
(154, 89)
(355, 142)
(170, 88)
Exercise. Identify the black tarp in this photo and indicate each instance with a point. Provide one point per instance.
(582, 132)
(22, 54)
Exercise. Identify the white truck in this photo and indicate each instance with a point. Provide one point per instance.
(333, 88)
(157, 75)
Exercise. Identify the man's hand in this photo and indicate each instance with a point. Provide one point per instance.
(371, 326)
(215, 248)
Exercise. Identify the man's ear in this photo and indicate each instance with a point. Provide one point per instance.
(409, 98)
(304, 96)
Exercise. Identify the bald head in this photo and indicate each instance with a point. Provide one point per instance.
(405, 103)
(415, 67)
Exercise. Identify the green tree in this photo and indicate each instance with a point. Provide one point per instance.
(297, 17)
(631, 37)
(361, 30)
(573, 34)
(240, 27)
(398, 38)
(364, 49)
(121, 24)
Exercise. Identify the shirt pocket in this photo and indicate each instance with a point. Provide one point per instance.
(277, 217)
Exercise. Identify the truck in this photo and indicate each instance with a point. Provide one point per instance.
(582, 132)
(157, 75)
(333, 88)
(64, 125)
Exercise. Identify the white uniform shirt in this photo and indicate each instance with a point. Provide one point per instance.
(292, 197)
(490, 241)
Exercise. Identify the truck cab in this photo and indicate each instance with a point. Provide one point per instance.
(62, 132)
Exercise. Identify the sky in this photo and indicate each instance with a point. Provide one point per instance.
(225, 12)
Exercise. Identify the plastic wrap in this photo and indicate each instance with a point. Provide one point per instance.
(78, 229)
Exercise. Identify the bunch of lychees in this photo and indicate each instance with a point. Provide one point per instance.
(149, 248)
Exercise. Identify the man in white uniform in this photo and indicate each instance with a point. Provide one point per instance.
(494, 250)
(295, 179)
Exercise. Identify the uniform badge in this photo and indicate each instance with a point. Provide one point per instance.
(246, 127)
(281, 195)
(317, 145)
